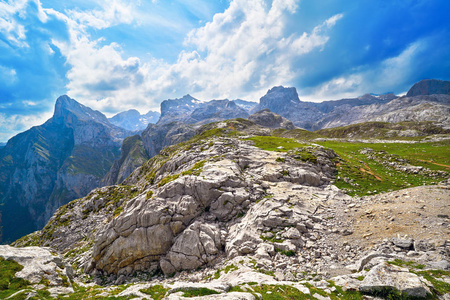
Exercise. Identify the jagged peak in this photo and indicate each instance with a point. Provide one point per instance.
(281, 94)
(187, 102)
(64, 105)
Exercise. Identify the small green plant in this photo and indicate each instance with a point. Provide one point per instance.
(286, 252)
(280, 159)
(149, 195)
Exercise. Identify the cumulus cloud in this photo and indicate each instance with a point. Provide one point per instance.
(241, 53)
(11, 125)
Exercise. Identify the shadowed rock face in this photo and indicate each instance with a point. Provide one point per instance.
(132, 156)
(429, 87)
(51, 164)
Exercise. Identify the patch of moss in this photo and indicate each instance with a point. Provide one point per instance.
(275, 292)
(305, 155)
(286, 252)
(195, 292)
(408, 264)
(226, 270)
(168, 179)
(156, 292)
(440, 287)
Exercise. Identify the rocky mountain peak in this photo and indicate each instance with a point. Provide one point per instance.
(429, 87)
(66, 108)
(279, 96)
(186, 103)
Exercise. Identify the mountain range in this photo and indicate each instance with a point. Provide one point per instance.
(79, 149)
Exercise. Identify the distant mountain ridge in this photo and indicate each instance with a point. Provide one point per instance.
(429, 106)
(132, 120)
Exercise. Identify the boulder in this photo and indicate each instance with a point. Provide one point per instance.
(384, 277)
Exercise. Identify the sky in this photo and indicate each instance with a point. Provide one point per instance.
(114, 55)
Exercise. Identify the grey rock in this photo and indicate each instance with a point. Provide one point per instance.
(403, 243)
(38, 264)
(389, 276)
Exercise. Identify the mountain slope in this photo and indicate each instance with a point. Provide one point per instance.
(51, 164)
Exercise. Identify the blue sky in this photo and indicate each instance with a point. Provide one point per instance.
(113, 55)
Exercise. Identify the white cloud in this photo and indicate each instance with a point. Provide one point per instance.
(241, 53)
(109, 13)
(9, 27)
(14, 124)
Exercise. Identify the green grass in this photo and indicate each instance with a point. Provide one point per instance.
(168, 179)
(156, 292)
(9, 283)
(194, 292)
(408, 264)
(272, 143)
(359, 175)
(226, 270)
(305, 154)
(275, 292)
(433, 276)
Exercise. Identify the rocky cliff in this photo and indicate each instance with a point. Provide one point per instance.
(51, 164)
(132, 156)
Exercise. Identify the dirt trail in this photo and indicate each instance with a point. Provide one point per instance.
(429, 161)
